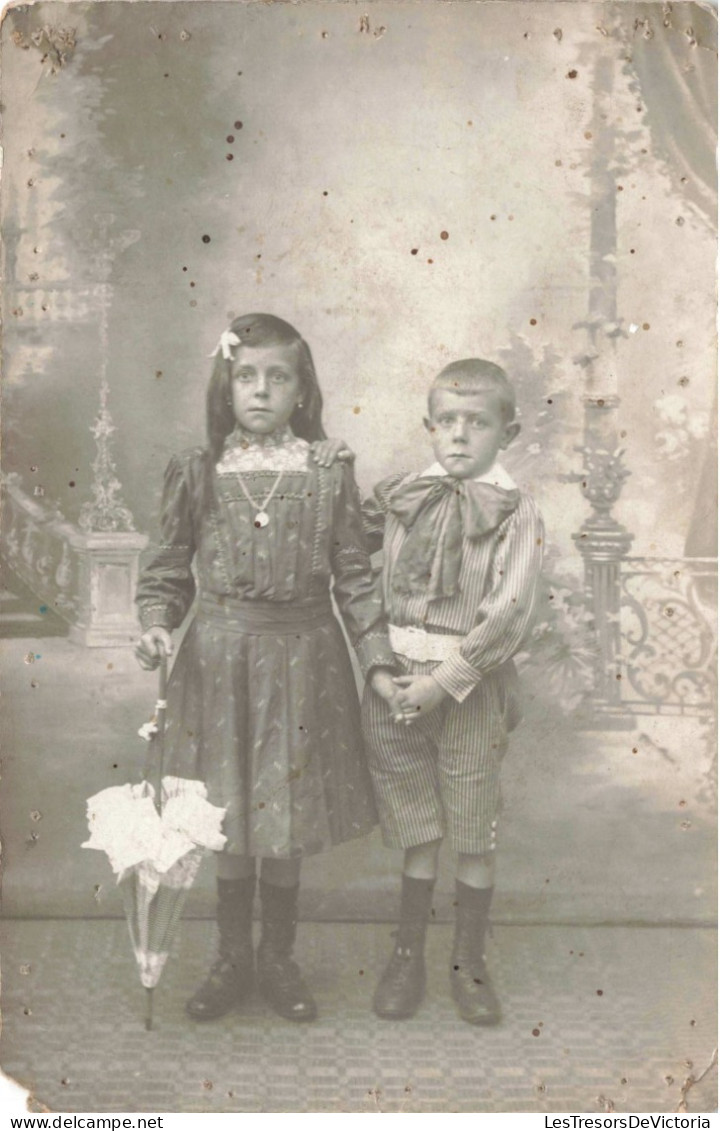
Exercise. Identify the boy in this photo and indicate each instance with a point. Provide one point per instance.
(462, 554)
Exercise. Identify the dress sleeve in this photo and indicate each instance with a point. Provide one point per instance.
(506, 612)
(356, 589)
(166, 587)
(375, 508)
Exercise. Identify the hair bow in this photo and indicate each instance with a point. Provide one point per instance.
(227, 342)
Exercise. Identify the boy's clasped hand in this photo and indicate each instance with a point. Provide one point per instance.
(408, 696)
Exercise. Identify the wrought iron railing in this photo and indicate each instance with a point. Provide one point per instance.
(668, 635)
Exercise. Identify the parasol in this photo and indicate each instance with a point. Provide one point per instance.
(155, 834)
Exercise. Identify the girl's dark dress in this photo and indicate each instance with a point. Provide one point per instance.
(262, 701)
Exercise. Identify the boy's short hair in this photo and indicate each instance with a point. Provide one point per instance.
(474, 375)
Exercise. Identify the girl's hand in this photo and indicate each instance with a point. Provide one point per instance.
(151, 646)
(325, 452)
(418, 695)
(383, 684)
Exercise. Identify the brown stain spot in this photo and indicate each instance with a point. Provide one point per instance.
(230, 139)
(206, 239)
(71, 483)
(261, 805)
(684, 382)
(632, 250)
(208, 1085)
(571, 74)
(238, 125)
(444, 235)
(558, 34)
(599, 993)
(646, 325)
(357, 409)
(109, 667)
(533, 321)
(493, 217)
(431, 260)
(158, 373)
(620, 188)
(361, 972)
(536, 1032)
(538, 541)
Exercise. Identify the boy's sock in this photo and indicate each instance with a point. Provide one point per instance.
(415, 906)
(475, 902)
(402, 986)
(469, 979)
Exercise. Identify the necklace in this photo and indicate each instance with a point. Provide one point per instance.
(262, 518)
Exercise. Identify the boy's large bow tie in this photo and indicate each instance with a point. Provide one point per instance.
(438, 512)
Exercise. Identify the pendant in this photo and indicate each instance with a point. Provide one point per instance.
(261, 518)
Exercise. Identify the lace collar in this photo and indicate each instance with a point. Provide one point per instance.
(281, 450)
(242, 438)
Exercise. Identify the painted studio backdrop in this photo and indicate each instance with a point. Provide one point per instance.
(408, 184)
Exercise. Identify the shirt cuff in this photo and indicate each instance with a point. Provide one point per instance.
(155, 616)
(373, 651)
(456, 676)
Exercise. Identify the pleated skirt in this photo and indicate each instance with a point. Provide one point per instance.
(269, 719)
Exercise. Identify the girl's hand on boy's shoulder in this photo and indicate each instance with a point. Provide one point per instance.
(326, 452)
(418, 695)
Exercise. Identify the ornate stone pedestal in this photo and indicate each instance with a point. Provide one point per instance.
(107, 578)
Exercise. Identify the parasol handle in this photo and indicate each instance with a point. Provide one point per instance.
(159, 743)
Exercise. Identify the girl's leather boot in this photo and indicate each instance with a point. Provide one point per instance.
(469, 980)
(279, 978)
(231, 977)
(402, 986)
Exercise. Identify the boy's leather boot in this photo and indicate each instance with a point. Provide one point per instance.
(231, 976)
(279, 978)
(402, 986)
(470, 982)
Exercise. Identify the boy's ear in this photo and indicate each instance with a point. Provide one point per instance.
(429, 426)
(512, 431)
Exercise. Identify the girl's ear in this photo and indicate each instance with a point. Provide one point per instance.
(512, 431)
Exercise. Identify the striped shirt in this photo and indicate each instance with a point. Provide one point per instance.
(494, 606)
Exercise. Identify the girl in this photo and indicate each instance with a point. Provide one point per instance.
(262, 704)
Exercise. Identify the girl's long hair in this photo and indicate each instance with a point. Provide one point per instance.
(261, 330)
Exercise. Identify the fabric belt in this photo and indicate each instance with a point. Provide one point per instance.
(417, 644)
(255, 618)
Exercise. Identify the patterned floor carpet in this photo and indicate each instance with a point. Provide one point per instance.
(595, 1019)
